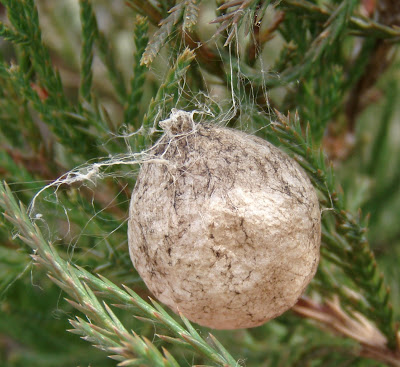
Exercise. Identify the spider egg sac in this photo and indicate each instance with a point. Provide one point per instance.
(223, 226)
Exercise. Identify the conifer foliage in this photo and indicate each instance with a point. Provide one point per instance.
(83, 87)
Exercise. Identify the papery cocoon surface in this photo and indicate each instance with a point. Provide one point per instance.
(223, 227)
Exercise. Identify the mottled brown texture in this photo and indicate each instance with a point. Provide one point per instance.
(223, 226)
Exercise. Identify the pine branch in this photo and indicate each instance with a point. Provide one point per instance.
(89, 34)
(348, 241)
(116, 77)
(336, 25)
(321, 47)
(190, 14)
(184, 9)
(15, 110)
(106, 331)
(10, 35)
(168, 92)
(159, 38)
(23, 88)
(16, 14)
(234, 18)
(382, 135)
(146, 9)
(46, 95)
(49, 78)
(319, 97)
(65, 128)
(363, 26)
(379, 59)
(131, 113)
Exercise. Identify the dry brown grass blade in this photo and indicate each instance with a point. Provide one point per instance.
(355, 326)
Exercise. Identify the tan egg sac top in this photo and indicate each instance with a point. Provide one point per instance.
(228, 232)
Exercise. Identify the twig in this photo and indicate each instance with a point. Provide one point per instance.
(380, 59)
(366, 26)
(146, 9)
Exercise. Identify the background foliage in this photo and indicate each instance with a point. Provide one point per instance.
(83, 81)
